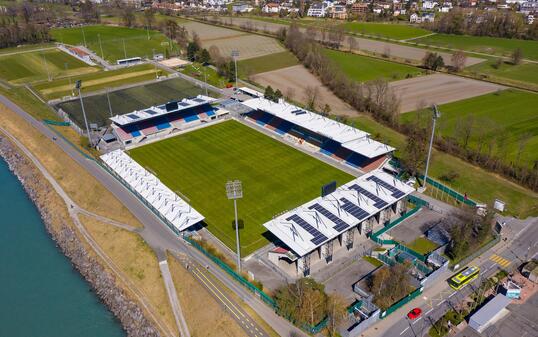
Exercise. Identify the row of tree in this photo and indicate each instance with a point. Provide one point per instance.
(13, 33)
(507, 24)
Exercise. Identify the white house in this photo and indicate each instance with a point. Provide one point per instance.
(271, 8)
(414, 18)
(242, 8)
(319, 10)
(429, 5)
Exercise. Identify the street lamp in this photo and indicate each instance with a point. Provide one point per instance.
(235, 55)
(234, 191)
(78, 86)
(435, 116)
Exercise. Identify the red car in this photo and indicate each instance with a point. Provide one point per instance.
(415, 313)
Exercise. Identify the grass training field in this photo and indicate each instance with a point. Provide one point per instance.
(388, 30)
(503, 118)
(127, 100)
(266, 63)
(521, 74)
(100, 80)
(113, 39)
(484, 44)
(364, 68)
(34, 66)
(275, 177)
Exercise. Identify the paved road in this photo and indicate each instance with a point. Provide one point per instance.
(156, 233)
(172, 297)
(506, 255)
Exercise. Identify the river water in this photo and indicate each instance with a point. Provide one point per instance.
(41, 294)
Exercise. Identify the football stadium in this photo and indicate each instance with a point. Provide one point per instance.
(311, 185)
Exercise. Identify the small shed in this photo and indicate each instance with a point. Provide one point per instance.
(489, 313)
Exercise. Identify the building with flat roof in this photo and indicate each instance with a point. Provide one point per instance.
(489, 313)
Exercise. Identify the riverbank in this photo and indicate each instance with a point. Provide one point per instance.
(58, 224)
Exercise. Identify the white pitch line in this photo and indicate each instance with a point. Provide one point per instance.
(404, 330)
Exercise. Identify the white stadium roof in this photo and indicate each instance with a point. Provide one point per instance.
(180, 214)
(309, 226)
(154, 111)
(350, 137)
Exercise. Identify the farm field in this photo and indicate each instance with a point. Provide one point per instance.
(35, 66)
(502, 119)
(100, 80)
(226, 40)
(479, 184)
(363, 68)
(113, 39)
(127, 100)
(199, 163)
(419, 92)
(483, 44)
(388, 30)
(522, 74)
(266, 63)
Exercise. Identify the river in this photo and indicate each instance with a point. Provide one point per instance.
(41, 294)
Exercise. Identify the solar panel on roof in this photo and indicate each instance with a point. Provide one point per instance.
(354, 210)
(199, 100)
(183, 104)
(395, 192)
(318, 237)
(171, 106)
(133, 116)
(378, 202)
(151, 112)
(340, 224)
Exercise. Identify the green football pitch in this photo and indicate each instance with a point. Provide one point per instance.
(275, 177)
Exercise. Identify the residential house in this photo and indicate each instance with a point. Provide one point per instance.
(414, 18)
(359, 8)
(428, 5)
(317, 10)
(271, 8)
(337, 12)
(242, 7)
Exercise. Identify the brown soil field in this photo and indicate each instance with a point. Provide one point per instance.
(248, 45)
(297, 78)
(419, 92)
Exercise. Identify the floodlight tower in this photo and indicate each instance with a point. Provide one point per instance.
(235, 55)
(435, 116)
(78, 86)
(234, 191)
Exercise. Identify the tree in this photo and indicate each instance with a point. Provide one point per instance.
(517, 56)
(304, 301)
(311, 96)
(269, 93)
(464, 130)
(192, 50)
(353, 44)
(458, 60)
(171, 28)
(433, 61)
(149, 17)
(336, 312)
(413, 156)
(389, 285)
(326, 109)
(203, 56)
(127, 15)
(89, 12)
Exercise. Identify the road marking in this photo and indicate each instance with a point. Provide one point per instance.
(443, 301)
(427, 312)
(501, 261)
(217, 295)
(418, 319)
(404, 330)
(454, 293)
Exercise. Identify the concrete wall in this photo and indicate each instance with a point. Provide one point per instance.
(357, 330)
(428, 281)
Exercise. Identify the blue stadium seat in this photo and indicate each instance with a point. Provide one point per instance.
(136, 133)
(163, 126)
(191, 118)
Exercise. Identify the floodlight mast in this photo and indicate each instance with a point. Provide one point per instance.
(78, 86)
(234, 191)
(435, 116)
(235, 54)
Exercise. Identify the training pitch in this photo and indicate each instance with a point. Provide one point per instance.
(275, 177)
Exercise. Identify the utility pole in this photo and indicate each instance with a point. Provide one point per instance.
(100, 46)
(109, 105)
(435, 116)
(83, 36)
(235, 54)
(234, 191)
(124, 51)
(78, 85)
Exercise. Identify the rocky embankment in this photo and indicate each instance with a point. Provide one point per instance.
(127, 311)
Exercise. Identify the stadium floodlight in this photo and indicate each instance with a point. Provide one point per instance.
(78, 86)
(234, 191)
(235, 55)
(436, 114)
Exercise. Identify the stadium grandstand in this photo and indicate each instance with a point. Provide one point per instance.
(311, 233)
(177, 213)
(336, 140)
(137, 126)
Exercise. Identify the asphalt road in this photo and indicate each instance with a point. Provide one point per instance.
(506, 255)
(156, 233)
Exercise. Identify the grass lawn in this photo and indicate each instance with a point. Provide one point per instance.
(483, 44)
(363, 68)
(388, 30)
(127, 100)
(38, 65)
(113, 39)
(525, 72)
(373, 261)
(26, 48)
(503, 118)
(275, 177)
(266, 63)
(96, 81)
(422, 245)
(202, 73)
(479, 184)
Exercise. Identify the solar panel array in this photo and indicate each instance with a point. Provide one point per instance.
(151, 112)
(378, 202)
(395, 192)
(318, 237)
(340, 224)
(354, 210)
(298, 112)
(132, 116)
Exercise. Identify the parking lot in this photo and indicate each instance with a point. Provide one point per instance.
(416, 226)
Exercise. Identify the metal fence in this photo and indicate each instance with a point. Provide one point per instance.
(450, 192)
(401, 302)
(480, 251)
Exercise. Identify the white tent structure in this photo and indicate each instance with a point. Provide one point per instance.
(170, 206)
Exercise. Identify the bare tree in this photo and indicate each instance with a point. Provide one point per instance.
(336, 312)
(464, 130)
(311, 95)
(290, 93)
(353, 44)
(128, 16)
(458, 60)
(517, 56)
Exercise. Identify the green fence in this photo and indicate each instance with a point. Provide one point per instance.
(375, 236)
(410, 251)
(266, 298)
(51, 122)
(387, 260)
(401, 302)
(450, 192)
